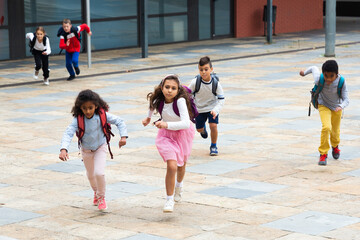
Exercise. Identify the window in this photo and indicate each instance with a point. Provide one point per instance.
(40, 11)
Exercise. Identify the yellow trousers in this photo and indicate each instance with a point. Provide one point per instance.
(330, 126)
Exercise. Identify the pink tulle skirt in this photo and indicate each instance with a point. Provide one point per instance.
(175, 145)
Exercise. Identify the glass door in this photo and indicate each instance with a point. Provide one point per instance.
(215, 18)
(222, 18)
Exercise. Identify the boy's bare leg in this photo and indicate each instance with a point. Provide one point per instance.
(214, 132)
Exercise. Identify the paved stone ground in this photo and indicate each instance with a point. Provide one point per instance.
(265, 183)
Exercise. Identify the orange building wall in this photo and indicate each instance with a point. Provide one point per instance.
(292, 16)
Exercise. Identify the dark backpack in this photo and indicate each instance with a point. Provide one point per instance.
(318, 88)
(106, 127)
(61, 32)
(32, 42)
(175, 106)
(215, 81)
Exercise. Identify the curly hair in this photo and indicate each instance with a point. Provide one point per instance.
(85, 96)
(157, 95)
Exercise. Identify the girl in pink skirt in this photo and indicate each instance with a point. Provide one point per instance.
(176, 133)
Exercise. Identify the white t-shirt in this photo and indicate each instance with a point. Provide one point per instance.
(205, 100)
(40, 46)
(174, 121)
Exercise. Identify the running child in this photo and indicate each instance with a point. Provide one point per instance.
(70, 41)
(175, 135)
(89, 122)
(209, 99)
(330, 106)
(40, 49)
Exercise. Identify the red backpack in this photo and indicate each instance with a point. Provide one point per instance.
(106, 127)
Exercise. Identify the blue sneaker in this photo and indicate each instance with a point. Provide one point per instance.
(213, 151)
(204, 134)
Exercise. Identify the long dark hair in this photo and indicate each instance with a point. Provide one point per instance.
(157, 96)
(85, 96)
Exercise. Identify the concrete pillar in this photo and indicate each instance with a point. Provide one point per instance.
(269, 21)
(144, 42)
(88, 46)
(330, 28)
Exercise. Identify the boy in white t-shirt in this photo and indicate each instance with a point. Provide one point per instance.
(209, 99)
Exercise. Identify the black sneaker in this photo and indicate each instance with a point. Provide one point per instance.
(72, 77)
(336, 152)
(77, 70)
(204, 133)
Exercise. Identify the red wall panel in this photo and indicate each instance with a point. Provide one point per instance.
(292, 16)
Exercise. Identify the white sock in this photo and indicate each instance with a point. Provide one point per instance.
(178, 184)
(170, 197)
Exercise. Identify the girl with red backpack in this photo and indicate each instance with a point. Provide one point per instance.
(176, 133)
(91, 123)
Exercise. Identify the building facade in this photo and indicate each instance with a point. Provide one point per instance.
(115, 23)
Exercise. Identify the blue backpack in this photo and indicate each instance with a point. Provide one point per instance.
(318, 88)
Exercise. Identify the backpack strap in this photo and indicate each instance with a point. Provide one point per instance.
(32, 42)
(44, 40)
(340, 86)
(105, 126)
(197, 84)
(161, 106)
(81, 128)
(215, 82)
(176, 108)
(75, 31)
(320, 85)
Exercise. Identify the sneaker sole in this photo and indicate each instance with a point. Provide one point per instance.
(101, 210)
(177, 200)
(213, 154)
(167, 211)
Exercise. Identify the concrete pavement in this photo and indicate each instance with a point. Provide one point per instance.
(265, 183)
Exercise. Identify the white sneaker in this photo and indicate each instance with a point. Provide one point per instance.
(36, 74)
(46, 81)
(178, 194)
(169, 206)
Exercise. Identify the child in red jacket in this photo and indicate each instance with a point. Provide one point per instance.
(70, 41)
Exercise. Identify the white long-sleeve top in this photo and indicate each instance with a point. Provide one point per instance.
(94, 136)
(40, 46)
(205, 100)
(328, 96)
(174, 121)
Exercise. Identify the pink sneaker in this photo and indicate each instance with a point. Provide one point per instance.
(95, 202)
(102, 204)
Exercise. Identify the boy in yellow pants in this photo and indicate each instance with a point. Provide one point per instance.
(333, 98)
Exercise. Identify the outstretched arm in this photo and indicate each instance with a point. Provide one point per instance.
(85, 27)
(66, 140)
(314, 70)
(147, 120)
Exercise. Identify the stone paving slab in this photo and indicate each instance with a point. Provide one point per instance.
(15, 216)
(313, 223)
